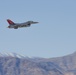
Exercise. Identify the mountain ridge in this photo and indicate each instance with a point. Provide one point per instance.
(65, 65)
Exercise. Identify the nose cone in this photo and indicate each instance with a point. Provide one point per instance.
(35, 22)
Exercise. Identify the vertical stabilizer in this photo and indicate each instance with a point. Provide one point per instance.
(10, 22)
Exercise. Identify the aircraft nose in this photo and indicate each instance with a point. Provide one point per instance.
(35, 22)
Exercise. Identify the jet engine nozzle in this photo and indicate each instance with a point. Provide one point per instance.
(8, 27)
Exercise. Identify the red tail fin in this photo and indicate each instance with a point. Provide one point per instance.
(10, 22)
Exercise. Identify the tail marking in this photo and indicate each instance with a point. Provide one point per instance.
(10, 22)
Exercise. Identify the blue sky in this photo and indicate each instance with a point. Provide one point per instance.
(54, 36)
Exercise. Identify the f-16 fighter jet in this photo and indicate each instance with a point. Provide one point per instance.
(19, 25)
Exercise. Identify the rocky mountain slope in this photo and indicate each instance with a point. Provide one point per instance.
(13, 64)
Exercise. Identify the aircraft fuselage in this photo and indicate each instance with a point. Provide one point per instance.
(19, 25)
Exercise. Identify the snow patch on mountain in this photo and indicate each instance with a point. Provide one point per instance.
(12, 55)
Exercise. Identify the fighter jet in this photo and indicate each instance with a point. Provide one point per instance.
(19, 25)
